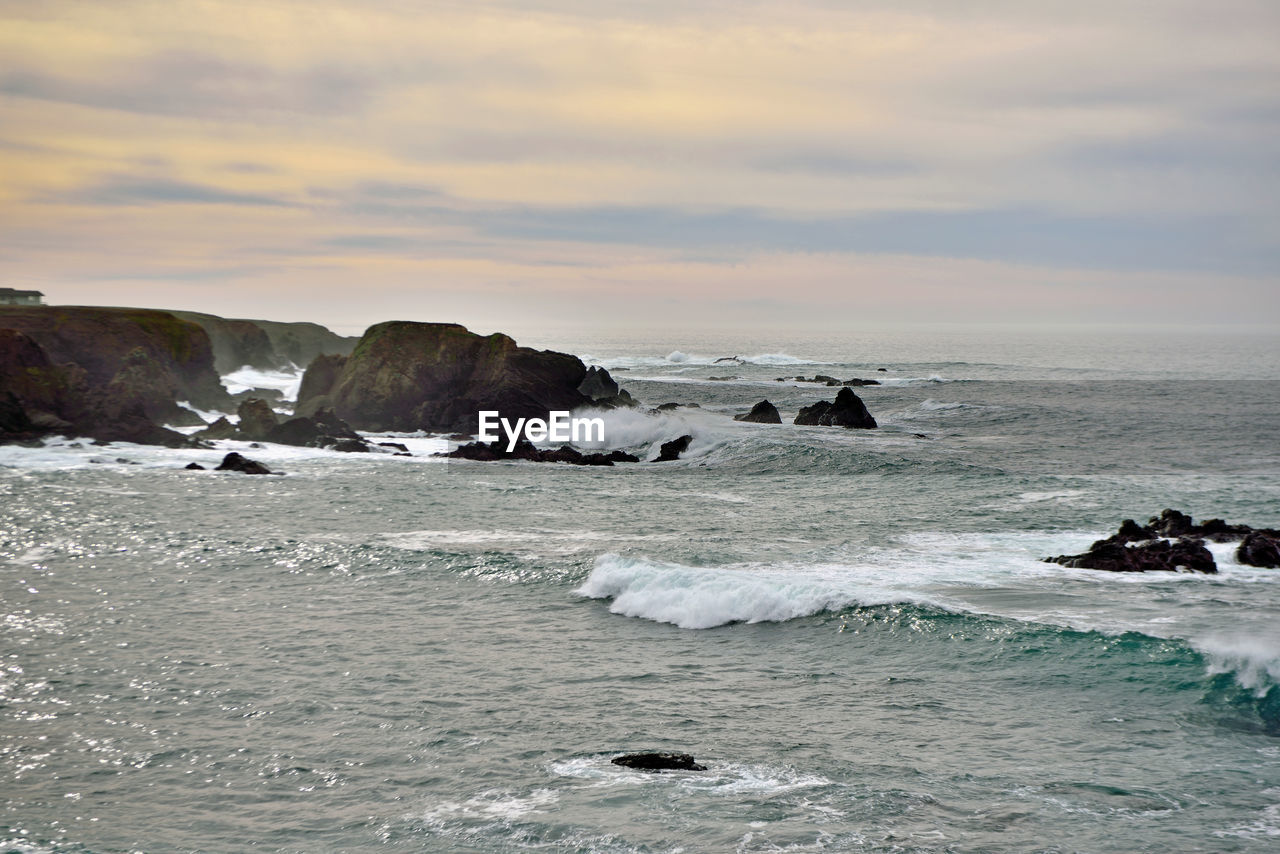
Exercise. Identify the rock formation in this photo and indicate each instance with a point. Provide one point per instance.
(1173, 541)
(763, 412)
(658, 762)
(406, 376)
(672, 450)
(848, 410)
(525, 450)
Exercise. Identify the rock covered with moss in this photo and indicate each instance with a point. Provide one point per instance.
(439, 376)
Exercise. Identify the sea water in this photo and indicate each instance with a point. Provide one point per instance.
(853, 630)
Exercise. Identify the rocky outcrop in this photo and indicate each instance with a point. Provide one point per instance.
(847, 410)
(658, 762)
(525, 450)
(265, 344)
(235, 343)
(763, 412)
(244, 465)
(257, 420)
(42, 397)
(406, 376)
(164, 357)
(670, 451)
(1186, 554)
(1260, 548)
(823, 379)
(1173, 541)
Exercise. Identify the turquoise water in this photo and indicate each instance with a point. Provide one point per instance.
(853, 630)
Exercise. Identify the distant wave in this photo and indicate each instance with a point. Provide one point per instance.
(679, 357)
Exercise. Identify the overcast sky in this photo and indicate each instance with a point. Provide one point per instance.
(607, 163)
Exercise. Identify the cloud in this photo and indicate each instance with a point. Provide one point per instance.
(125, 190)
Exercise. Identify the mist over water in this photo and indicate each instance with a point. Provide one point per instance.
(852, 629)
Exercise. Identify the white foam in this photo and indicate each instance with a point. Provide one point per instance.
(286, 381)
(679, 357)
(999, 575)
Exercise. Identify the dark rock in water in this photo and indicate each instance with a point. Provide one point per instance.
(322, 430)
(823, 379)
(395, 446)
(257, 419)
(194, 467)
(658, 762)
(1259, 549)
(1172, 523)
(667, 407)
(597, 384)
(672, 450)
(350, 446)
(737, 360)
(525, 450)
(406, 376)
(235, 462)
(763, 412)
(1149, 556)
(848, 410)
(723, 379)
(883, 370)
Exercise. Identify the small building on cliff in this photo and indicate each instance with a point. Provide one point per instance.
(9, 296)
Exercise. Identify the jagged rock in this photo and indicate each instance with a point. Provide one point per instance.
(672, 450)
(396, 446)
(737, 360)
(658, 762)
(220, 429)
(598, 384)
(1259, 548)
(618, 401)
(1150, 556)
(763, 412)
(194, 467)
(257, 419)
(244, 465)
(406, 376)
(848, 410)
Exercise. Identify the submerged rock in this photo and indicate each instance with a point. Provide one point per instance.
(194, 467)
(763, 412)
(847, 410)
(658, 762)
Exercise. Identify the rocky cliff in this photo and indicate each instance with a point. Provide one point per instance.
(437, 376)
(266, 344)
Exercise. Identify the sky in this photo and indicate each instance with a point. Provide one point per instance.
(601, 164)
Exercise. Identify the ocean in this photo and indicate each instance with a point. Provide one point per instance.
(853, 630)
